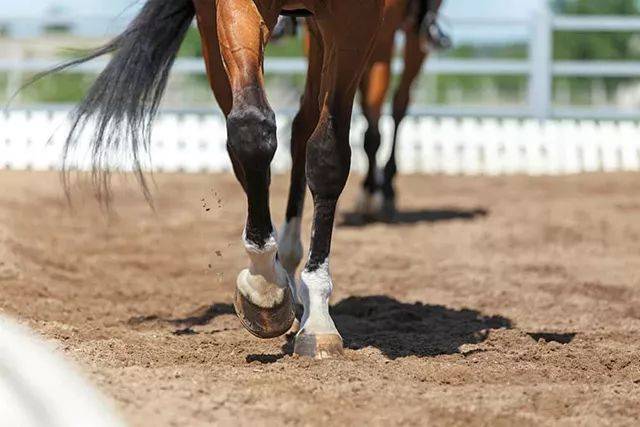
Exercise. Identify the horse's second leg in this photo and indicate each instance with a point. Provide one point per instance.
(347, 47)
(414, 57)
(290, 244)
(263, 296)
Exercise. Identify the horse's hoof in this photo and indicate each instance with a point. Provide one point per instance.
(295, 328)
(369, 205)
(320, 346)
(388, 210)
(362, 202)
(265, 322)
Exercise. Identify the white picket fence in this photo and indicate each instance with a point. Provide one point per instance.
(196, 143)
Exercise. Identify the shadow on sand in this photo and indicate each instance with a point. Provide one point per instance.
(397, 329)
(400, 329)
(201, 316)
(413, 217)
(560, 338)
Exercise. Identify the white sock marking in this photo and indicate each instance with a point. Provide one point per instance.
(265, 281)
(315, 291)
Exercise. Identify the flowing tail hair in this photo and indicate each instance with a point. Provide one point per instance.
(124, 100)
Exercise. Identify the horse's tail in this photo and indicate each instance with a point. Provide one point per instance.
(124, 99)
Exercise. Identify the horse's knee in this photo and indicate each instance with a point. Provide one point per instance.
(252, 136)
(328, 160)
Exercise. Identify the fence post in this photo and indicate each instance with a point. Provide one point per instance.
(14, 77)
(541, 57)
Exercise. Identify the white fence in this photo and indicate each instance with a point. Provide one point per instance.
(196, 143)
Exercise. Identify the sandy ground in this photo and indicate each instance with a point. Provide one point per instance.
(493, 301)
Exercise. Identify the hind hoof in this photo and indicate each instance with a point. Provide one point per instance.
(265, 322)
(320, 346)
(388, 210)
(367, 203)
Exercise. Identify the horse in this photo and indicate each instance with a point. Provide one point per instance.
(124, 100)
(418, 20)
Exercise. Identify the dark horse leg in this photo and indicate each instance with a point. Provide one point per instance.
(241, 28)
(414, 57)
(347, 44)
(373, 91)
(304, 123)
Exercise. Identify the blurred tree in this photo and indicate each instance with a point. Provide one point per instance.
(59, 88)
(590, 46)
(191, 47)
(594, 45)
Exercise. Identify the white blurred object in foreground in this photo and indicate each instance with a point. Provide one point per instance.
(39, 388)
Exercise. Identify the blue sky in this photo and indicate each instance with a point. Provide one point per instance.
(453, 9)
(38, 8)
(510, 9)
(490, 8)
(463, 8)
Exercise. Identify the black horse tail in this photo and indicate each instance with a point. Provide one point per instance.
(123, 102)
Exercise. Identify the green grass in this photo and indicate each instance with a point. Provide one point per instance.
(289, 47)
(58, 88)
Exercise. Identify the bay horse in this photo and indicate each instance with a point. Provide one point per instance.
(418, 20)
(124, 99)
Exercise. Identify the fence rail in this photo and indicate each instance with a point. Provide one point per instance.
(596, 23)
(539, 68)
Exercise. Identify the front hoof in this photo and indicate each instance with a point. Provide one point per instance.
(320, 346)
(265, 322)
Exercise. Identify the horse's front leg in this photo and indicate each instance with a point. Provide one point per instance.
(347, 46)
(263, 296)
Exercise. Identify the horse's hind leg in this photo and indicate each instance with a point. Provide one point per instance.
(347, 36)
(373, 92)
(414, 57)
(263, 296)
(373, 89)
(304, 123)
